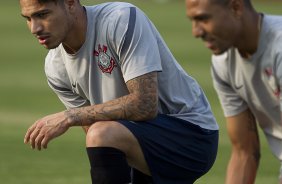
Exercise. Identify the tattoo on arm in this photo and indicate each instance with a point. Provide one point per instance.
(141, 103)
(145, 96)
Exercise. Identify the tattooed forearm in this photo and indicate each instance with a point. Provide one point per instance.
(141, 103)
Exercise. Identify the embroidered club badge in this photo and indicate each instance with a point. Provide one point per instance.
(105, 62)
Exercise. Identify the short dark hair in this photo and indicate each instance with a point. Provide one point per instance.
(47, 1)
(225, 2)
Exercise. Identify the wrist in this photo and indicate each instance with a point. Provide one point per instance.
(72, 117)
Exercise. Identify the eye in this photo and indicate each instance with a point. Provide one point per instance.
(42, 15)
(26, 18)
(203, 18)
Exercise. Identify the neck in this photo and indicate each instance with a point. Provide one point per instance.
(77, 35)
(69, 49)
(250, 38)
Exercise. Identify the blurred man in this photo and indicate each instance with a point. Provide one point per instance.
(112, 70)
(247, 75)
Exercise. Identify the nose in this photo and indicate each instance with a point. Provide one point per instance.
(35, 26)
(197, 29)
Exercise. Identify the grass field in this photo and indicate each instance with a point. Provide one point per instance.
(25, 97)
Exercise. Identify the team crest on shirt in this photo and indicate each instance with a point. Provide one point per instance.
(268, 73)
(105, 62)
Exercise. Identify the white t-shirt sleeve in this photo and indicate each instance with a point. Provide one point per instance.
(232, 104)
(67, 97)
(138, 50)
(58, 82)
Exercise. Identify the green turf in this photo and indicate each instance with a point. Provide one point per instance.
(25, 97)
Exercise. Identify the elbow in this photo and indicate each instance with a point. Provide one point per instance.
(146, 110)
(257, 156)
(150, 108)
(147, 113)
(250, 155)
(152, 114)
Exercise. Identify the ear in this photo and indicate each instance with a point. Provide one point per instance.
(70, 4)
(237, 7)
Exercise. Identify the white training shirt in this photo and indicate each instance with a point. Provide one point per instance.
(255, 83)
(122, 44)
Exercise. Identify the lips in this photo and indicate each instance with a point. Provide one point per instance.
(42, 39)
(209, 43)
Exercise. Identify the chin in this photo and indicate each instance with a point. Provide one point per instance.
(218, 51)
(49, 47)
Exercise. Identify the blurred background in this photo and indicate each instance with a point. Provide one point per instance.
(25, 97)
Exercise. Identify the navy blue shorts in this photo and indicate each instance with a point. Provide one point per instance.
(176, 151)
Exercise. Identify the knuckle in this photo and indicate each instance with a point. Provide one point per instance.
(32, 137)
(29, 130)
(37, 141)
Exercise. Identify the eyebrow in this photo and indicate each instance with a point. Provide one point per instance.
(36, 13)
(201, 17)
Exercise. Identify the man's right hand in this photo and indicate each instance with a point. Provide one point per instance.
(46, 129)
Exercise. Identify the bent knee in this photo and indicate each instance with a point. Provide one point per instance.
(106, 134)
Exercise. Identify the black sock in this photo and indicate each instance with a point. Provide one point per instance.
(108, 166)
(140, 178)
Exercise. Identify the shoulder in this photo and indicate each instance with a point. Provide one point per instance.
(110, 18)
(272, 38)
(272, 29)
(272, 22)
(110, 11)
(112, 6)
